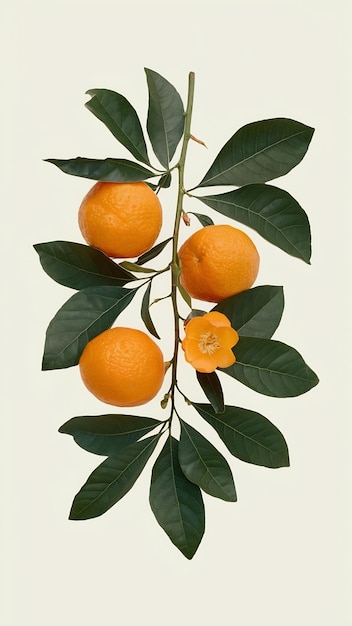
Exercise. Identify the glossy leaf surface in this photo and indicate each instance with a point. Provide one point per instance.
(78, 266)
(248, 435)
(165, 181)
(165, 120)
(259, 152)
(108, 434)
(134, 267)
(176, 502)
(256, 312)
(153, 252)
(271, 368)
(205, 220)
(107, 170)
(145, 314)
(203, 465)
(211, 386)
(184, 294)
(272, 212)
(85, 315)
(119, 116)
(112, 479)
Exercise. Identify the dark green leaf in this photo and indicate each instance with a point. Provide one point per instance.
(259, 152)
(153, 252)
(248, 435)
(134, 267)
(145, 314)
(256, 312)
(185, 295)
(176, 502)
(211, 386)
(78, 266)
(165, 121)
(85, 315)
(108, 434)
(271, 368)
(204, 219)
(203, 465)
(272, 212)
(121, 119)
(165, 181)
(112, 479)
(107, 170)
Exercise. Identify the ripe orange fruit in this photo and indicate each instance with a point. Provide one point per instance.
(123, 367)
(218, 261)
(121, 219)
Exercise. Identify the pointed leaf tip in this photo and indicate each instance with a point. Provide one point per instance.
(86, 314)
(79, 266)
(255, 312)
(165, 120)
(211, 386)
(106, 170)
(176, 502)
(203, 465)
(119, 116)
(248, 435)
(111, 480)
(271, 368)
(259, 152)
(271, 212)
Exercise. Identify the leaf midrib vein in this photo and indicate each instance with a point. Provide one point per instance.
(101, 494)
(85, 330)
(276, 143)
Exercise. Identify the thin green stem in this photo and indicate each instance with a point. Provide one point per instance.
(178, 216)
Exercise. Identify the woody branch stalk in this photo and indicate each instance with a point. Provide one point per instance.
(179, 210)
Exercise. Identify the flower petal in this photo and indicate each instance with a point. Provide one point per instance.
(224, 357)
(191, 349)
(228, 337)
(217, 319)
(196, 327)
(204, 363)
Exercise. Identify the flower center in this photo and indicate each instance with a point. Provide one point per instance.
(208, 343)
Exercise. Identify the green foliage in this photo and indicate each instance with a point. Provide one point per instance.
(259, 152)
(203, 465)
(153, 252)
(165, 181)
(78, 266)
(176, 502)
(121, 119)
(134, 267)
(166, 117)
(107, 170)
(145, 314)
(248, 435)
(204, 219)
(112, 479)
(211, 386)
(185, 467)
(272, 212)
(256, 312)
(108, 434)
(84, 316)
(271, 368)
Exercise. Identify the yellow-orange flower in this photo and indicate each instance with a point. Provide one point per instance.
(208, 342)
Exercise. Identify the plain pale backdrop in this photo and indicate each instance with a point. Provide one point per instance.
(281, 555)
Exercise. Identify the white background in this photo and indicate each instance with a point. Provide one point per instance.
(281, 555)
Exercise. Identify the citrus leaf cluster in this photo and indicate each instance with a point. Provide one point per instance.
(186, 466)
